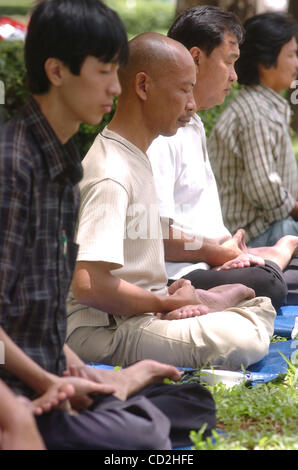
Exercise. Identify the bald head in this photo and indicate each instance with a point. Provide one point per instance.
(154, 54)
(157, 89)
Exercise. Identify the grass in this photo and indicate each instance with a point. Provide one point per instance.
(263, 417)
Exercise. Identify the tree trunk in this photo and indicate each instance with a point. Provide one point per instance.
(243, 8)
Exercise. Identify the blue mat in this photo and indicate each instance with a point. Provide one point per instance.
(269, 368)
(286, 321)
(273, 364)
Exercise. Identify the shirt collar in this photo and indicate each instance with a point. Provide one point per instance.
(280, 103)
(126, 143)
(62, 161)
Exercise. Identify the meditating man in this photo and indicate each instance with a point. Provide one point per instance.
(250, 147)
(72, 51)
(196, 238)
(120, 310)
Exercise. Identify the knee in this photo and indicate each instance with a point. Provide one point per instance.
(268, 282)
(246, 336)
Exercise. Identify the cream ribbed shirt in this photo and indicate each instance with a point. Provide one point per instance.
(118, 221)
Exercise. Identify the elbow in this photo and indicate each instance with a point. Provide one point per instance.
(81, 293)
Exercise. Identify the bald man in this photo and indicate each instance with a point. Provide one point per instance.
(120, 266)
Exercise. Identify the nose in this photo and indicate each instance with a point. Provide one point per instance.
(233, 76)
(115, 87)
(191, 104)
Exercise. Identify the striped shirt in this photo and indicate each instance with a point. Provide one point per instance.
(253, 161)
(39, 201)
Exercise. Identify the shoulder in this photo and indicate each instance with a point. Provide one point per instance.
(243, 111)
(107, 160)
(16, 150)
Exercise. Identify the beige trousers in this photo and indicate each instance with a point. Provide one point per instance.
(235, 337)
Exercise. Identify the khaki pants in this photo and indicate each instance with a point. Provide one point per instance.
(228, 339)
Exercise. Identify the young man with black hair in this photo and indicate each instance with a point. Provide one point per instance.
(250, 147)
(73, 50)
(197, 238)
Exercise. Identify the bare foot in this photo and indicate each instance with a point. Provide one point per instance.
(281, 253)
(222, 297)
(131, 379)
(188, 311)
(242, 261)
(145, 373)
(237, 242)
(240, 237)
(56, 396)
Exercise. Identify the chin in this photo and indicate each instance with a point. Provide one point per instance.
(94, 121)
(169, 132)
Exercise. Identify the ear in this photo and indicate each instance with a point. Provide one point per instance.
(54, 69)
(142, 84)
(197, 55)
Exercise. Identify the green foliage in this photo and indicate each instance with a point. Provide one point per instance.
(263, 417)
(15, 7)
(12, 74)
(147, 15)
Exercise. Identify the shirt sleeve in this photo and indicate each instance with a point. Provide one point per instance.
(15, 190)
(261, 182)
(102, 222)
(163, 163)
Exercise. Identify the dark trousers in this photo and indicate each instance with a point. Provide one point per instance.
(266, 280)
(159, 417)
(291, 278)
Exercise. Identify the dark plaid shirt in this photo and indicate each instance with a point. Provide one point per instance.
(39, 201)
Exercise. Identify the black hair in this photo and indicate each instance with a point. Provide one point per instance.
(204, 27)
(71, 30)
(265, 36)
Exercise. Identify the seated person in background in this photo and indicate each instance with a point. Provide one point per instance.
(73, 50)
(185, 183)
(120, 310)
(250, 147)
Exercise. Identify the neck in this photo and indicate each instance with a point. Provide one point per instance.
(270, 85)
(64, 125)
(130, 124)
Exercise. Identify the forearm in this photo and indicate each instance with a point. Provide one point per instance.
(20, 365)
(114, 295)
(181, 248)
(71, 357)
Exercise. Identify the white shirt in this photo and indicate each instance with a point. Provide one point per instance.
(186, 188)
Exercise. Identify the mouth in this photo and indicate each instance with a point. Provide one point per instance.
(183, 121)
(107, 108)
